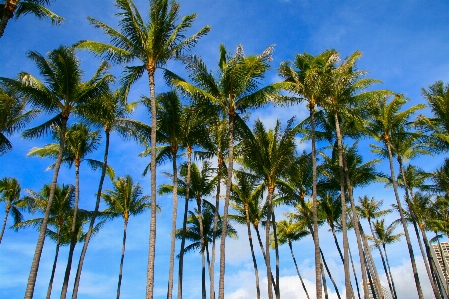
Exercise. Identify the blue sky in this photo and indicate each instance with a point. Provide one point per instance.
(405, 44)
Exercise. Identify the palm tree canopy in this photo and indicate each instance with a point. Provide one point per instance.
(10, 195)
(370, 208)
(385, 235)
(289, 231)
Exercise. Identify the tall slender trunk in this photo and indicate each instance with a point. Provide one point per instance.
(120, 274)
(173, 225)
(74, 235)
(323, 277)
(355, 221)
(267, 241)
(200, 220)
(152, 242)
(203, 272)
(8, 207)
(355, 275)
(214, 229)
(431, 264)
(413, 220)
(256, 272)
(53, 269)
(330, 275)
(94, 217)
(43, 228)
(8, 13)
(390, 285)
(371, 263)
(256, 228)
(374, 292)
(226, 207)
(342, 259)
(389, 271)
(404, 223)
(297, 270)
(316, 240)
(276, 249)
(349, 290)
(184, 223)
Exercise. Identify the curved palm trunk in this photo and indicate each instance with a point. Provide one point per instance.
(43, 228)
(297, 270)
(8, 13)
(415, 227)
(226, 207)
(50, 284)
(355, 275)
(184, 224)
(389, 271)
(8, 207)
(173, 226)
(404, 224)
(345, 260)
(316, 240)
(73, 232)
(152, 242)
(267, 242)
(214, 229)
(276, 249)
(94, 217)
(256, 272)
(120, 274)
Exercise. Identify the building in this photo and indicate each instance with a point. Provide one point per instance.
(440, 255)
(385, 292)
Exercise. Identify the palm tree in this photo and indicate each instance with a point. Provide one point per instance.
(308, 81)
(125, 200)
(385, 120)
(152, 43)
(244, 193)
(13, 117)
(63, 93)
(289, 231)
(194, 234)
(235, 88)
(370, 209)
(437, 96)
(10, 195)
(16, 8)
(269, 154)
(109, 111)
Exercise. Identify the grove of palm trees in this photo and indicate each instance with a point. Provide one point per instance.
(226, 149)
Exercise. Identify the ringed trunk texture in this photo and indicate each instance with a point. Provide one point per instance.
(8, 13)
(120, 274)
(184, 225)
(319, 294)
(53, 270)
(226, 207)
(8, 207)
(73, 233)
(43, 228)
(345, 259)
(404, 223)
(256, 271)
(92, 220)
(152, 242)
(173, 227)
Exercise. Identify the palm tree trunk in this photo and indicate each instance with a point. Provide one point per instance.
(345, 260)
(276, 249)
(94, 217)
(74, 236)
(430, 259)
(173, 226)
(184, 224)
(263, 253)
(389, 271)
(316, 240)
(329, 273)
(200, 219)
(152, 242)
(413, 218)
(256, 272)
(8, 207)
(226, 207)
(371, 263)
(297, 270)
(120, 274)
(43, 228)
(8, 13)
(203, 272)
(267, 242)
(404, 224)
(323, 277)
(355, 275)
(355, 221)
(214, 230)
(370, 279)
(50, 284)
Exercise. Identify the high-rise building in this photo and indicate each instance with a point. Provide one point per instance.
(440, 255)
(385, 292)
